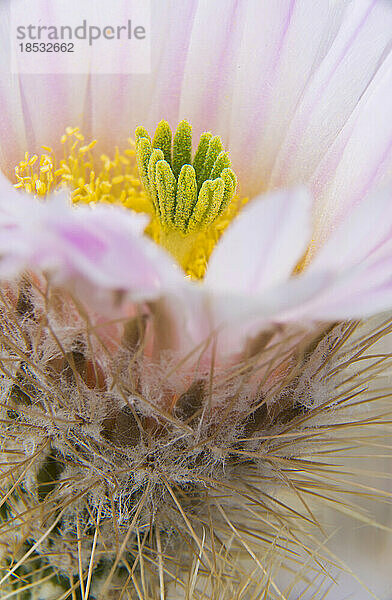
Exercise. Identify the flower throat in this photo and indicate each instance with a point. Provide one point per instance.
(190, 201)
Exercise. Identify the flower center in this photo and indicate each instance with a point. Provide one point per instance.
(190, 202)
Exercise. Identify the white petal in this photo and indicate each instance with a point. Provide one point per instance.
(311, 63)
(350, 277)
(336, 87)
(357, 263)
(286, 42)
(364, 232)
(144, 99)
(360, 160)
(263, 244)
(36, 109)
(102, 248)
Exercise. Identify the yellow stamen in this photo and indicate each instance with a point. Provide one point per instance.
(100, 178)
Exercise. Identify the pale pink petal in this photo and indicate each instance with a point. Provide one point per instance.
(263, 244)
(103, 246)
(279, 111)
(358, 259)
(144, 99)
(356, 53)
(237, 317)
(360, 160)
(350, 277)
(13, 142)
(359, 292)
(210, 65)
(36, 109)
(359, 237)
(310, 65)
(282, 45)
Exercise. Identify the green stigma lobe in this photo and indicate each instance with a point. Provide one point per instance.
(166, 187)
(143, 154)
(187, 197)
(182, 147)
(200, 156)
(163, 140)
(155, 156)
